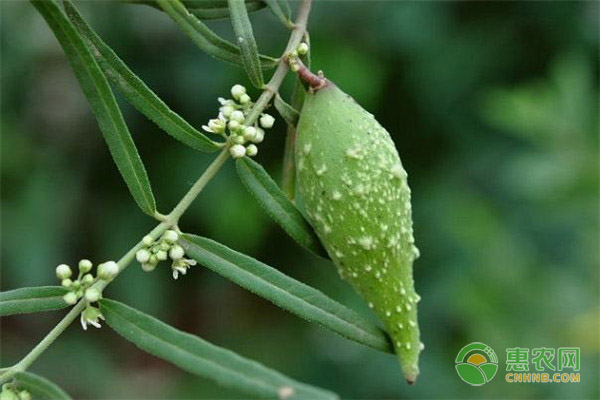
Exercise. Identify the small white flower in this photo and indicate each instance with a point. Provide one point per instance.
(85, 266)
(108, 270)
(70, 298)
(267, 121)
(238, 116)
(302, 48)
(237, 151)
(171, 236)
(63, 271)
(259, 136)
(147, 240)
(91, 315)
(181, 266)
(244, 99)
(249, 133)
(251, 150)
(226, 110)
(176, 252)
(142, 256)
(92, 295)
(226, 102)
(161, 255)
(216, 125)
(237, 91)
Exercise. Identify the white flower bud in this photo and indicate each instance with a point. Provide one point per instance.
(237, 91)
(171, 236)
(237, 151)
(237, 139)
(259, 136)
(295, 67)
(63, 271)
(233, 125)
(153, 259)
(251, 150)
(87, 279)
(238, 116)
(249, 132)
(226, 110)
(108, 270)
(161, 255)
(302, 48)
(85, 266)
(267, 121)
(92, 295)
(147, 267)
(176, 252)
(66, 283)
(70, 298)
(147, 240)
(244, 99)
(142, 256)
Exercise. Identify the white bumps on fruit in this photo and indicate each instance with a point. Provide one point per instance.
(354, 190)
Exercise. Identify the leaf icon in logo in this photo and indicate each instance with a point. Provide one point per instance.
(471, 374)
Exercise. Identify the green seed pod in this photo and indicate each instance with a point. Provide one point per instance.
(354, 189)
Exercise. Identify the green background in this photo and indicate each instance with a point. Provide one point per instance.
(493, 107)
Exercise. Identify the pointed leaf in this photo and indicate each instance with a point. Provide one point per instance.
(200, 357)
(32, 299)
(206, 39)
(289, 113)
(103, 104)
(276, 204)
(245, 40)
(281, 9)
(134, 89)
(285, 292)
(40, 387)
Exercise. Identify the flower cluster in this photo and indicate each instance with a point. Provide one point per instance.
(231, 124)
(84, 286)
(155, 251)
(11, 392)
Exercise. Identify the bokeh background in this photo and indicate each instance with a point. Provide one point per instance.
(493, 107)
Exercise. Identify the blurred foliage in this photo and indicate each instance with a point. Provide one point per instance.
(493, 107)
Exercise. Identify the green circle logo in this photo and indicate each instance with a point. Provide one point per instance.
(476, 363)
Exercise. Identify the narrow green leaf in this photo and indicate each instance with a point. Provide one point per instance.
(32, 299)
(135, 90)
(245, 40)
(200, 357)
(202, 9)
(223, 12)
(103, 104)
(289, 113)
(276, 204)
(285, 292)
(40, 387)
(206, 39)
(281, 9)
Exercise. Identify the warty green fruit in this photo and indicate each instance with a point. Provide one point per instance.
(354, 190)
